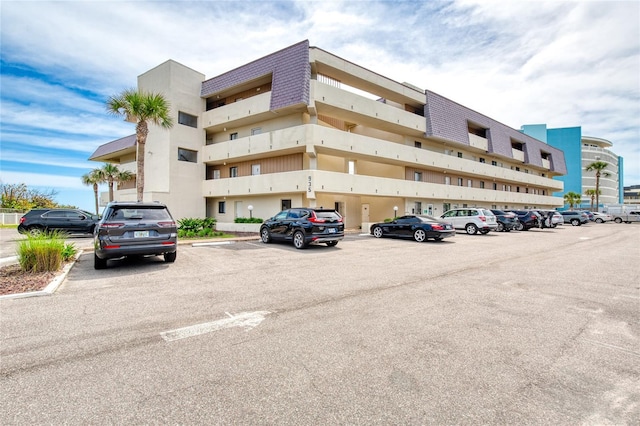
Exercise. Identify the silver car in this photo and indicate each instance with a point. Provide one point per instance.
(471, 219)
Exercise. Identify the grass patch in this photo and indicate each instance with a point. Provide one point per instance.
(44, 252)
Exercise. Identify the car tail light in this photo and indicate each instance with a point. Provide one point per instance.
(22, 219)
(168, 224)
(112, 225)
(168, 243)
(437, 227)
(316, 219)
(111, 247)
(482, 218)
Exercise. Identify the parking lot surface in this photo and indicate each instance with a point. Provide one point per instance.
(537, 327)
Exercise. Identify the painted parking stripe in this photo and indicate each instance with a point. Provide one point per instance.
(247, 320)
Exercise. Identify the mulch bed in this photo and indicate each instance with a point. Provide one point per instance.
(14, 280)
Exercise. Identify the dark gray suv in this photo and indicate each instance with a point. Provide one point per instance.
(72, 221)
(134, 229)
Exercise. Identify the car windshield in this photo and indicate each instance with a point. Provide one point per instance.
(140, 213)
(425, 218)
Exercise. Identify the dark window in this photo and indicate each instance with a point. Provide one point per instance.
(482, 160)
(187, 155)
(233, 172)
(286, 204)
(233, 136)
(187, 119)
(417, 144)
(222, 207)
(459, 155)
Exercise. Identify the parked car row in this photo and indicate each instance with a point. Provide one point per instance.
(148, 229)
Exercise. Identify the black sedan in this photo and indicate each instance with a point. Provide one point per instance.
(418, 227)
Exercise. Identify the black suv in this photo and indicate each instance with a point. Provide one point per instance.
(527, 219)
(304, 226)
(506, 220)
(134, 229)
(72, 221)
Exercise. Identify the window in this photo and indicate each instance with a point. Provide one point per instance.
(255, 169)
(187, 119)
(469, 183)
(256, 131)
(460, 181)
(233, 172)
(517, 169)
(222, 207)
(494, 163)
(233, 136)
(187, 155)
(495, 186)
(286, 204)
(351, 167)
(417, 176)
(482, 160)
(417, 144)
(517, 189)
(216, 173)
(447, 180)
(482, 184)
(459, 154)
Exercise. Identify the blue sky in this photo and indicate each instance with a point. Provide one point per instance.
(563, 63)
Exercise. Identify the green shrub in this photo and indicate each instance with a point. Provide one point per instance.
(248, 220)
(44, 252)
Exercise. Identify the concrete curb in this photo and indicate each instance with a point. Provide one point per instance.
(51, 287)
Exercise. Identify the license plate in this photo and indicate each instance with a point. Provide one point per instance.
(332, 230)
(140, 234)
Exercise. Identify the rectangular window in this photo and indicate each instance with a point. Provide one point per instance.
(460, 181)
(187, 155)
(216, 173)
(417, 144)
(351, 165)
(222, 207)
(469, 183)
(417, 176)
(256, 131)
(233, 172)
(494, 163)
(482, 184)
(447, 180)
(495, 186)
(255, 169)
(187, 119)
(482, 160)
(285, 204)
(459, 154)
(233, 136)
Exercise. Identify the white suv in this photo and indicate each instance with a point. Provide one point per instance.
(471, 219)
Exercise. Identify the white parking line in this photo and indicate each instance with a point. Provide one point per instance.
(248, 320)
(217, 243)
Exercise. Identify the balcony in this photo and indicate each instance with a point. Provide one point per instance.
(244, 112)
(546, 164)
(517, 154)
(336, 102)
(478, 142)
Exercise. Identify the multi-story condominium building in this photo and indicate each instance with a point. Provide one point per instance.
(632, 194)
(580, 151)
(303, 127)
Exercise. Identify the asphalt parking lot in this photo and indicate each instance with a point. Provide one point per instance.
(537, 327)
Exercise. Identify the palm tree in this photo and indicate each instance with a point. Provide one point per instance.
(94, 177)
(598, 166)
(143, 108)
(592, 194)
(572, 198)
(111, 173)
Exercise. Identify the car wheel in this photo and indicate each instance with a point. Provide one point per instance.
(170, 257)
(500, 227)
(99, 263)
(419, 235)
(298, 240)
(438, 239)
(36, 231)
(377, 232)
(471, 229)
(331, 243)
(265, 236)
(598, 220)
(575, 222)
(519, 226)
(484, 231)
(618, 220)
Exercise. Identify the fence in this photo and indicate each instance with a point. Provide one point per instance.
(10, 218)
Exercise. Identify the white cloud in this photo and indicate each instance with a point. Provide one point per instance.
(41, 180)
